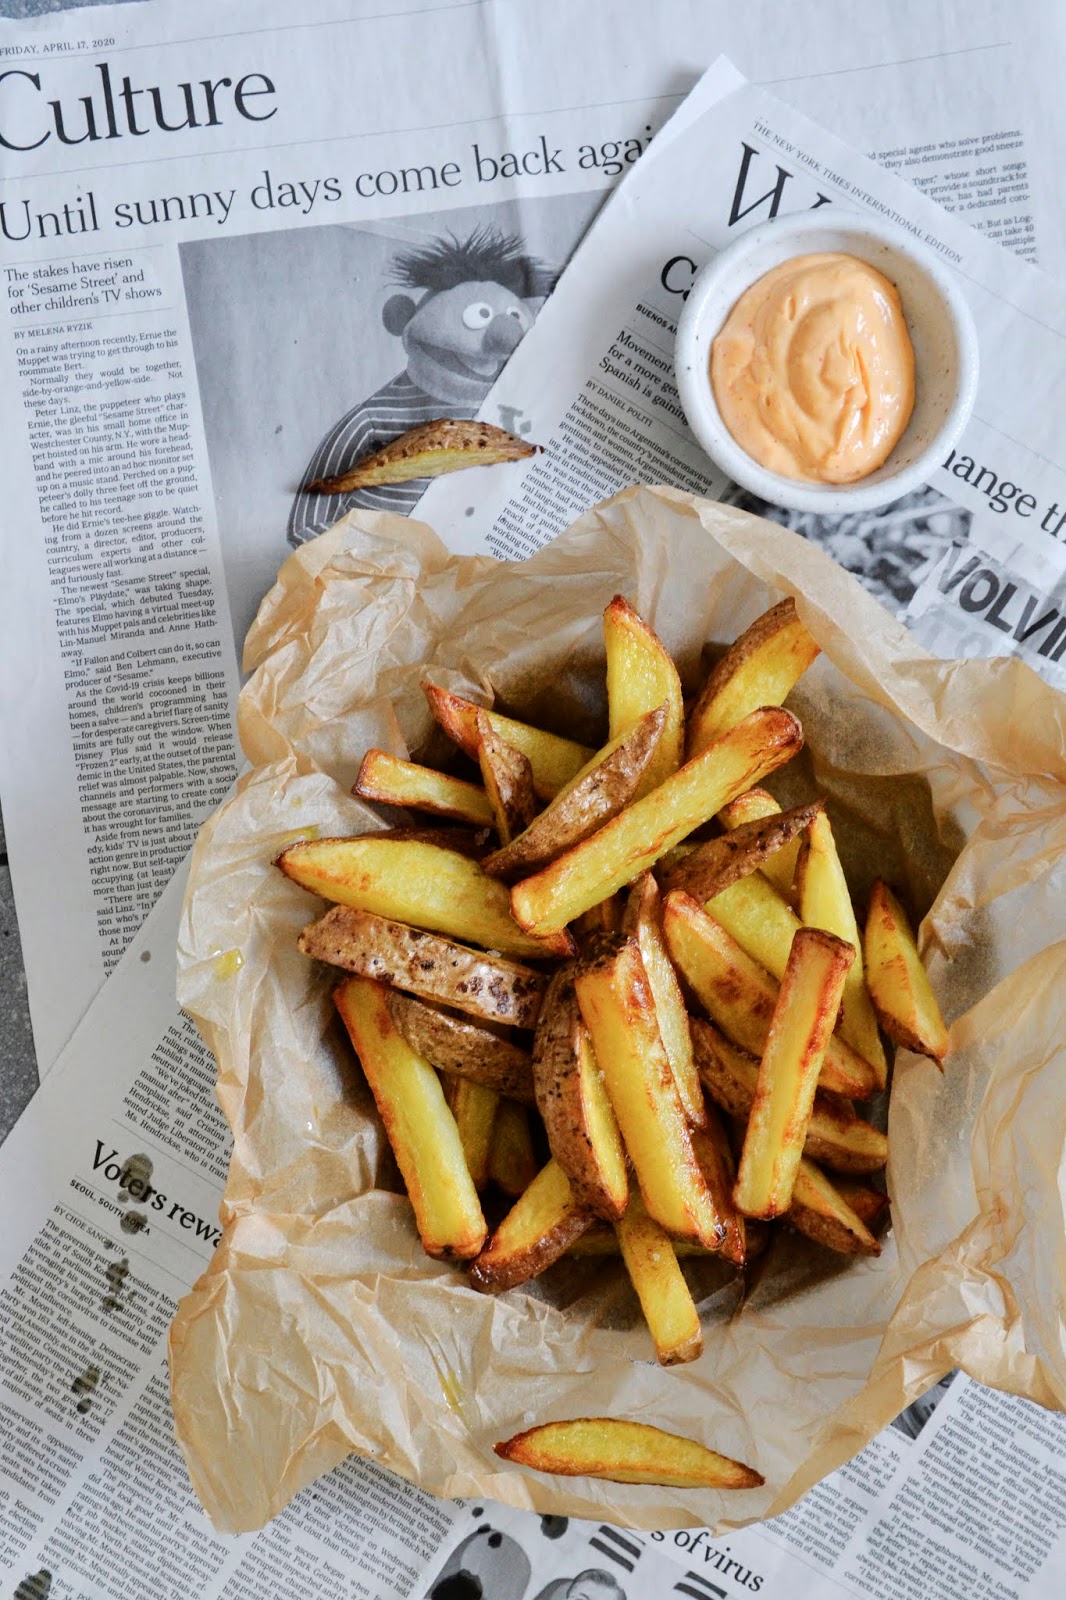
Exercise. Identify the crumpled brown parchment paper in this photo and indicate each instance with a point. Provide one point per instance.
(320, 1328)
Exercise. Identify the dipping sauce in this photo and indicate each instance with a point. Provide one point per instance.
(813, 370)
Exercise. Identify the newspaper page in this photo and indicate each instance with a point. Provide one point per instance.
(217, 227)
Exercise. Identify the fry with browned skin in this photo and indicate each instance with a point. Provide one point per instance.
(640, 676)
(800, 1030)
(390, 781)
(715, 865)
(758, 669)
(643, 922)
(820, 1211)
(429, 451)
(899, 985)
(625, 1452)
(554, 760)
(462, 1049)
(540, 1227)
(757, 805)
(668, 1306)
(508, 779)
(711, 1146)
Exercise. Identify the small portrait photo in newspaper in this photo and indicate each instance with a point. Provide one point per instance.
(913, 1418)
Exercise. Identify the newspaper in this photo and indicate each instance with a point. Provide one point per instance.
(216, 226)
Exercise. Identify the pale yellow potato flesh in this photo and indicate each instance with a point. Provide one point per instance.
(625, 1452)
(540, 1227)
(616, 1004)
(899, 985)
(419, 1125)
(512, 1159)
(740, 995)
(390, 781)
(554, 760)
(757, 805)
(643, 920)
(474, 1109)
(641, 675)
(633, 841)
(821, 1212)
(419, 884)
(800, 1030)
(824, 901)
(758, 669)
(668, 1306)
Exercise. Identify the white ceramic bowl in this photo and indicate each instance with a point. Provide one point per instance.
(939, 321)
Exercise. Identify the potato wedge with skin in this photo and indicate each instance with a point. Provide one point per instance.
(420, 884)
(473, 842)
(869, 1205)
(554, 760)
(508, 779)
(512, 1159)
(711, 1145)
(599, 792)
(606, 917)
(574, 1106)
(616, 1003)
(820, 1211)
(540, 1227)
(643, 922)
(740, 995)
(633, 841)
(800, 1030)
(601, 1242)
(757, 805)
(758, 669)
(836, 1136)
(420, 1128)
(824, 901)
(719, 863)
(641, 675)
(433, 448)
(390, 781)
(668, 1306)
(474, 1109)
(625, 1452)
(462, 1049)
(426, 964)
(899, 986)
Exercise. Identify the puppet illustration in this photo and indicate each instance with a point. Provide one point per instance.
(470, 302)
(488, 1565)
(592, 1584)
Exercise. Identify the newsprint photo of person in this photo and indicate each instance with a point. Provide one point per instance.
(462, 306)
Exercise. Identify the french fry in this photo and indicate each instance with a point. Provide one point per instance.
(422, 884)
(740, 995)
(711, 1146)
(668, 1306)
(463, 1049)
(625, 1452)
(540, 1227)
(757, 805)
(508, 779)
(640, 676)
(426, 964)
(800, 1030)
(474, 1109)
(574, 1106)
(825, 902)
(599, 792)
(390, 781)
(600, 1242)
(759, 669)
(836, 1136)
(751, 846)
(643, 921)
(420, 1128)
(819, 1210)
(429, 451)
(616, 1003)
(605, 917)
(899, 987)
(633, 841)
(869, 1205)
(512, 1159)
(554, 760)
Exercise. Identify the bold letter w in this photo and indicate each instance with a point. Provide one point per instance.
(773, 195)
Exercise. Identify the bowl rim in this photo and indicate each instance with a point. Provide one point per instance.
(692, 353)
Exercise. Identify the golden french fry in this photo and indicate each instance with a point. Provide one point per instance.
(554, 760)
(574, 1106)
(429, 451)
(640, 676)
(436, 889)
(643, 921)
(750, 847)
(757, 805)
(819, 1210)
(474, 1109)
(633, 841)
(512, 1159)
(740, 995)
(427, 964)
(390, 781)
(617, 1006)
(899, 987)
(759, 669)
(508, 779)
(669, 1309)
(825, 902)
(420, 1128)
(462, 1049)
(800, 1030)
(625, 1452)
(716, 1162)
(540, 1227)
(869, 1205)
(599, 792)
(836, 1136)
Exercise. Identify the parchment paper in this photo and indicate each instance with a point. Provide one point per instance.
(321, 1328)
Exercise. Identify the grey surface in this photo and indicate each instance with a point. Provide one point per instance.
(41, 8)
(18, 1063)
